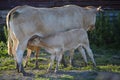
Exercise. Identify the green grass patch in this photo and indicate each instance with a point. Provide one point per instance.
(7, 63)
(40, 78)
(109, 68)
(107, 61)
(67, 77)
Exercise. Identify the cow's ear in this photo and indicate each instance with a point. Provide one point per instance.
(99, 8)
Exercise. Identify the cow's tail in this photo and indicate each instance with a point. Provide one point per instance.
(9, 43)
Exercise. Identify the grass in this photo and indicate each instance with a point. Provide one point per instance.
(107, 61)
(67, 77)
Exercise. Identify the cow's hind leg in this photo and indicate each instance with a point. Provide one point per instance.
(19, 57)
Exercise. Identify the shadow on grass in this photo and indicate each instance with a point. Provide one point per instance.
(60, 75)
(78, 75)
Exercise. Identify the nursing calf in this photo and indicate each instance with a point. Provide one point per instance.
(31, 48)
(58, 43)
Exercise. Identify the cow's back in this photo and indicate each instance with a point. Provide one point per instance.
(46, 20)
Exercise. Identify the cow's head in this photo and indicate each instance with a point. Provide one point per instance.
(94, 9)
(91, 27)
(90, 16)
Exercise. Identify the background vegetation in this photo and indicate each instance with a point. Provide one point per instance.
(107, 31)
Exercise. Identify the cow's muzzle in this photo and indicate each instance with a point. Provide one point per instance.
(91, 27)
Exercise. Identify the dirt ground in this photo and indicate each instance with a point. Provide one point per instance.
(60, 75)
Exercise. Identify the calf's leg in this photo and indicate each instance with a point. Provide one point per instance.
(71, 57)
(51, 62)
(82, 51)
(58, 58)
(63, 61)
(27, 57)
(37, 54)
(89, 52)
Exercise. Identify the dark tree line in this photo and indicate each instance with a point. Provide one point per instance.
(107, 32)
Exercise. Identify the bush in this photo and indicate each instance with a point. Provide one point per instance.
(3, 49)
(3, 33)
(107, 32)
(3, 41)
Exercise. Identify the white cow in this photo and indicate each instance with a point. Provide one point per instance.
(25, 21)
(58, 43)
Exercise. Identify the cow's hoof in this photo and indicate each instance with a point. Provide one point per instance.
(85, 64)
(49, 71)
(25, 66)
(56, 71)
(94, 65)
(36, 68)
(28, 74)
(65, 65)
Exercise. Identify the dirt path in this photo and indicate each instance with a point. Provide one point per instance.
(61, 75)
